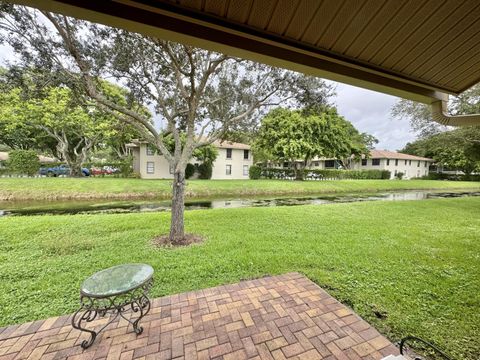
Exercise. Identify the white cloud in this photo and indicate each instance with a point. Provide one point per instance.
(369, 111)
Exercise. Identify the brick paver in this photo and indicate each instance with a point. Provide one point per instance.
(278, 317)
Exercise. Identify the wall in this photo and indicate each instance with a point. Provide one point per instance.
(237, 162)
(162, 168)
(410, 170)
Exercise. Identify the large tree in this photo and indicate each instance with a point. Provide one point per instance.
(455, 149)
(73, 130)
(198, 93)
(297, 137)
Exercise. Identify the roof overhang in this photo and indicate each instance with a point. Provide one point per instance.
(418, 35)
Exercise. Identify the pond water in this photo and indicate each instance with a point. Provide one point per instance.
(9, 208)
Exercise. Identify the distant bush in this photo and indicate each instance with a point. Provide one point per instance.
(205, 171)
(399, 175)
(325, 174)
(451, 177)
(189, 171)
(23, 162)
(255, 172)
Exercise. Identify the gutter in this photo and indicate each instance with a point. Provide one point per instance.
(440, 115)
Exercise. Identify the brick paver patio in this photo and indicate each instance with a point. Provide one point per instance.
(278, 317)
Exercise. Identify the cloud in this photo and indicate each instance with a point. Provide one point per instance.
(369, 111)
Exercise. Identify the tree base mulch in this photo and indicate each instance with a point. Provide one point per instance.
(188, 239)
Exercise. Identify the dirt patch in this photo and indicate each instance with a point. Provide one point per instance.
(188, 239)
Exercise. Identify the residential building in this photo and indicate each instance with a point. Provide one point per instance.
(233, 161)
(410, 165)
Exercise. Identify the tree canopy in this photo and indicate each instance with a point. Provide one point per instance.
(455, 149)
(298, 136)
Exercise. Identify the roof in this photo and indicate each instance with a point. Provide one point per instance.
(221, 144)
(385, 154)
(41, 158)
(416, 49)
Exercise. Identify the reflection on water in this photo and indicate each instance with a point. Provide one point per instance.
(74, 207)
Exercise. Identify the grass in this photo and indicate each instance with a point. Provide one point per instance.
(415, 262)
(114, 188)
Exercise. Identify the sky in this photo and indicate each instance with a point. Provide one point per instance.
(367, 110)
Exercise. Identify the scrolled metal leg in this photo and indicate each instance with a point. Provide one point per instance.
(142, 305)
(86, 315)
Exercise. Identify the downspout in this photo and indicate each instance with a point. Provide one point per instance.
(440, 115)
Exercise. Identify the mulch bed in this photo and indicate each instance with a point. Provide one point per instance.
(188, 239)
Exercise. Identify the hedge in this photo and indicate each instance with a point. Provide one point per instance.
(452, 177)
(325, 174)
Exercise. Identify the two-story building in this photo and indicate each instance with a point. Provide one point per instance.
(410, 165)
(233, 161)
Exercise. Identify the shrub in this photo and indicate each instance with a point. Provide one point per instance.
(325, 174)
(255, 172)
(205, 171)
(399, 175)
(23, 162)
(189, 170)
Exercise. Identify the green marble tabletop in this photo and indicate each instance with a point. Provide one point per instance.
(116, 280)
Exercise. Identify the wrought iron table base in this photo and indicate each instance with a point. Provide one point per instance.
(92, 308)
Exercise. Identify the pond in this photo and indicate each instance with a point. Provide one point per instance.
(9, 208)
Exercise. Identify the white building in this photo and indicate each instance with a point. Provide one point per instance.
(233, 161)
(411, 166)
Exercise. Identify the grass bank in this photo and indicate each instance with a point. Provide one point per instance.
(416, 263)
(114, 188)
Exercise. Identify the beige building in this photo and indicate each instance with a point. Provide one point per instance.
(411, 166)
(233, 161)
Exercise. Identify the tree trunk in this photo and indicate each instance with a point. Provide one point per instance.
(177, 229)
(75, 170)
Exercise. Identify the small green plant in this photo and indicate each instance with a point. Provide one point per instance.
(189, 170)
(23, 162)
(205, 171)
(399, 175)
(255, 172)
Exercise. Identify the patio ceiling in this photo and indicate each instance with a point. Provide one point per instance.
(415, 49)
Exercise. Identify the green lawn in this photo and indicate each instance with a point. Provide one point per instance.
(416, 262)
(112, 188)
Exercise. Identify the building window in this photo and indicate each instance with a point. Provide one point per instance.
(364, 162)
(245, 170)
(245, 154)
(409, 162)
(375, 162)
(405, 162)
(388, 162)
(285, 164)
(425, 164)
(150, 167)
(396, 162)
(228, 170)
(229, 153)
(418, 163)
(316, 163)
(150, 150)
(329, 163)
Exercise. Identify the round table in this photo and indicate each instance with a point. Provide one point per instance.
(113, 291)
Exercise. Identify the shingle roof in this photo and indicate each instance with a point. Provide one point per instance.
(221, 144)
(385, 154)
